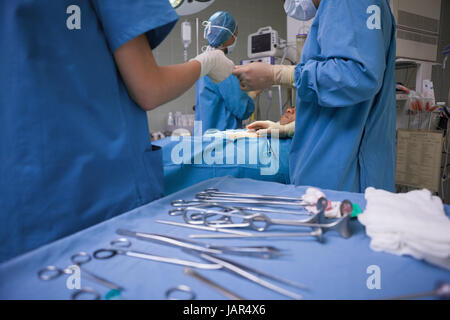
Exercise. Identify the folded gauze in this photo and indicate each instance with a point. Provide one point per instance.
(412, 223)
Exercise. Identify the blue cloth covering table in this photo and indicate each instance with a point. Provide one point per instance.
(335, 269)
(178, 176)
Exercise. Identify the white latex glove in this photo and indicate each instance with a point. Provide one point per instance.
(215, 65)
(264, 128)
(259, 75)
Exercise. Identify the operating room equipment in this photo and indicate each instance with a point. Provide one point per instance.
(227, 293)
(316, 233)
(261, 222)
(216, 192)
(78, 259)
(265, 42)
(442, 291)
(266, 252)
(196, 215)
(186, 37)
(103, 254)
(181, 288)
(192, 226)
(252, 275)
(178, 211)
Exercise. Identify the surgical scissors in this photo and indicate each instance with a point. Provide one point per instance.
(266, 252)
(103, 254)
(78, 259)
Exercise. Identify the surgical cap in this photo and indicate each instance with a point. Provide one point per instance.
(217, 36)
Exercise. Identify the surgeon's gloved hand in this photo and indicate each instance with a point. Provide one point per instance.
(259, 75)
(215, 64)
(264, 128)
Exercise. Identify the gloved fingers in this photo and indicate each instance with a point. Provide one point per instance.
(215, 64)
(258, 125)
(263, 132)
(254, 76)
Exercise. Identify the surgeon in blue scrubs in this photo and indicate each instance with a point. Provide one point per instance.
(76, 80)
(345, 132)
(222, 106)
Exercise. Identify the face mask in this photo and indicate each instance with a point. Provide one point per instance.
(302, 10)
(230, 48)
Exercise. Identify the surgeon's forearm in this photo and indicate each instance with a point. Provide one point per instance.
(170, 83)
(148, 84)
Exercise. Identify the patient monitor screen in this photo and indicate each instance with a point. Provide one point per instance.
(261, 43)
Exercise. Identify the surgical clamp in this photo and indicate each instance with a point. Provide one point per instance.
(215, 192)
(78, 259)
(103, 254)
(261, 222)
(317, 233)
(192, 226)
(266, 252)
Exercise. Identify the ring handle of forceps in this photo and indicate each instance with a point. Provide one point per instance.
(118, 243)
(79, 292)
(53, 272)
(180, 288)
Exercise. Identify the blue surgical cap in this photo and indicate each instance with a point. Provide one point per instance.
(217, 36)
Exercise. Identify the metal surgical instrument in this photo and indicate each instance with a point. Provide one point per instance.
(441, 291)
(227, 293)
(103, 254)
(215, 192)
(317, 233)
(266, 252)
(249, 273)
(78, 259)
(260, 222)
(85, 291)
(192, 226)
(180, 288)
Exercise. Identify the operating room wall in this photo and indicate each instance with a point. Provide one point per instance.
(250, 16)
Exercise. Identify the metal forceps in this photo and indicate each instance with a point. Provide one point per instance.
(265, 252)
(256, 276)
(180, 204)
(212, 192)
(78, 259)
(103, 254)
(260, 222)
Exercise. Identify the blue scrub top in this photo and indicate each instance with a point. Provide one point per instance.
(74, 148)
(345, 136)
(222, 106)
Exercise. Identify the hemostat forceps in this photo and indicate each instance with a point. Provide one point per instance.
(211, 192)
(266, 252)
(260, 222)
(103, 254)
(78, 259)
